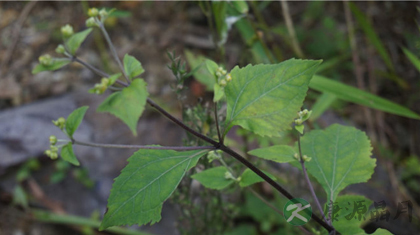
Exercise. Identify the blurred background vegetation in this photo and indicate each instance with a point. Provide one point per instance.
(372, 46)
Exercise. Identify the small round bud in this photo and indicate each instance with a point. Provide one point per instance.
(60, 49)
(296, 156)
(105, 81)
(222, 82)
(298, 121)
(45, 60)
(218, 73)
(53, 149)
(48, 152)
(223, 72)
(92, 12)
(306, 158)
(229, 175)
(60, 123)
(91, 22)
(67, 31)
(228, 77)
(103, 13)
(53, 156)
(305, 111)
(53, 139)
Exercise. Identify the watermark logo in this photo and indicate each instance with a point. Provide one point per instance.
(297, 211)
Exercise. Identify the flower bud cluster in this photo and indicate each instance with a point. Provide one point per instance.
(45, 60)
(214, 155)
(53, 151)
(96, 17)
(67, 31)
(304, 158)
(222, 77)
(101, 87)
(60, 123)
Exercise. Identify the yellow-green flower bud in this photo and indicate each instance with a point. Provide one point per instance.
(91, 22)
(228, 77)
(61, 122)
(60, 49)
(92, 12)
(222, 82)
(53, 139)
(45, 60)
(298, 121)
(103, 13)
(229, 175)
(306, 158)
(53, 156)
(48, 152)
(105, 81)
(296, 156)
(67, 31)
(54, 149)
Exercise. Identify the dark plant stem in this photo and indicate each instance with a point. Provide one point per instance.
(122, 146)
(216, 118)
(305, 173)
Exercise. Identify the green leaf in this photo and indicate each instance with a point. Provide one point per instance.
(322, 103)
(369, 30)
(74, 119)
(266, 98)
(211, 67)
(113, 78)
(57, 63)
(413, 58)
(248, 178)
(132, 66)
(352, 94)
(277, 153)
(213, 178)
(150, 177)
(20, 197)
(67, 154)
(127, 104)
(201, 73)
(74, 42)
(219, 15)
(300, 128)
(340, 157)
(345, 206)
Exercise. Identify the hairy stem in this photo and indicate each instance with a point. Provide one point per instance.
(302, 163)
(113, 51)
(122, 146)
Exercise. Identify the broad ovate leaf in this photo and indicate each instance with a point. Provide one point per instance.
(150, 177)
(265, 99)
(213, 178)
(132, 66)
(74, 42)
(277, 153)
(57, 63)
(67, 154)
(340, 157)
(74, 119)
(128, 104)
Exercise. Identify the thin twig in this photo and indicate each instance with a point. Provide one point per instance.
(302, 163)
(122, 146)
(216, 117)
(16, 34)
(291, 29)
(113, 51)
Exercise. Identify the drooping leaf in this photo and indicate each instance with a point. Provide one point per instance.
(248, 178)
(213, 178)
(277, 153)
(352, 94)
(132, 66)
(340, 157)
(74, 42)
(57, 63)
(74, 119)
(346, 221)
(67, 154)
(150, 177)
(202, 74)
(413, 58)
(127, 104)
(266, 98)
